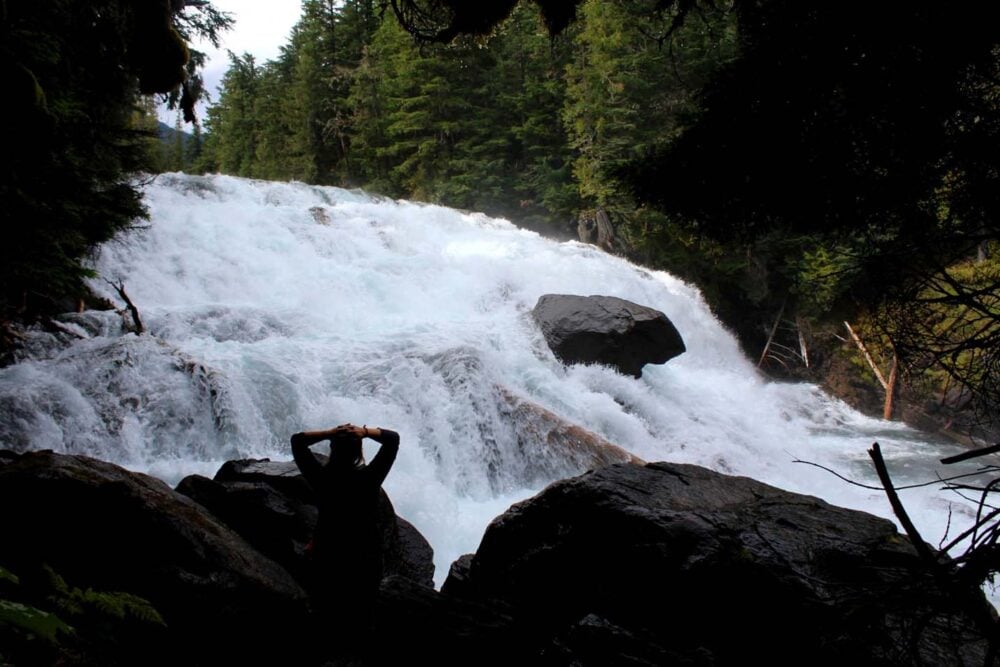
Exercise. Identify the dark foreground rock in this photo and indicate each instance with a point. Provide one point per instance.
(675, 564)
(606, 330)
(634, 565)
(102, 527)
(417, 625)
(270, 505)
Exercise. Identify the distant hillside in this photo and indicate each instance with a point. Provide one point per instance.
(168, 135)
(175, 150)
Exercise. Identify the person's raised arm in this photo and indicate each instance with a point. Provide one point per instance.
(311, 468)
(389, 441)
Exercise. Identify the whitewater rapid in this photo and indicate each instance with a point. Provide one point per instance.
(279, 307)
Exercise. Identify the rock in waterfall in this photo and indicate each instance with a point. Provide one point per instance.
(606, 330)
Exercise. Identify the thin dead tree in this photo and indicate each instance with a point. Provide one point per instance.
(888, 385)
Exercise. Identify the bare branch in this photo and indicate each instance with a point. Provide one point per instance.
(897, 507)
(898, 488)
(136, 320)
(982, 451)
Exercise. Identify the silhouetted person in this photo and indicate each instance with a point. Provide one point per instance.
(347, 546)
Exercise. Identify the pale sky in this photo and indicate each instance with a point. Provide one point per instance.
(260, 28)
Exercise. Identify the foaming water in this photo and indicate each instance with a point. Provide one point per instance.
(279, 307)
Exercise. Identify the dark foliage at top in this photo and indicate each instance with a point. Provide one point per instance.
(444, 20)
(72, 73)
(841, 119)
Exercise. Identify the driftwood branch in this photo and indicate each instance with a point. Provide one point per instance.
(962, 576)
(964, 456)
(66, 330)
(136, 320)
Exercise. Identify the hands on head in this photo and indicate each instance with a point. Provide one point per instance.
(310, 438)
(360, 431)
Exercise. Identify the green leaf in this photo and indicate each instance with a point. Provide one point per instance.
(9, 576)
(33, 620)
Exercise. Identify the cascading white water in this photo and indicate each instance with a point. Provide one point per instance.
(277, 307)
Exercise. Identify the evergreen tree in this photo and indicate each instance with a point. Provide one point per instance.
(232, 121)
(281, 148)
(291, 118)
(374, 87)
(428, 122)
(74, 73)
(176, 148)
(192, 152)
(145, 120)
(530, 93)
(465, 154)
(327, 44)
(628, 90)
(314, 87)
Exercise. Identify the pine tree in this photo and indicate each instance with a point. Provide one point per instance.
(232, 121)
(373, 85)
(192, 151)
(145, 120)
(176, 148)
(631, 87)
(281, 148)
(530, 90)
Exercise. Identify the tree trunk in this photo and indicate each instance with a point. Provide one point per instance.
(770, 336)
(890, 390)
(868, 357)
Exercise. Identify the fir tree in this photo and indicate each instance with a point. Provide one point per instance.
(233, 123)
(74, 74)
(530, 89)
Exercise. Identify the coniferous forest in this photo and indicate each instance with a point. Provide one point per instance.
(803, 164)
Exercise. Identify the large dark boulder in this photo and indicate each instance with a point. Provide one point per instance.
(606, 330)
(425, 627)
(100, 526)
(271, 505)
(275, 523)
(676, 564)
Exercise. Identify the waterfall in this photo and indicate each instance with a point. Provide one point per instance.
(278, 307)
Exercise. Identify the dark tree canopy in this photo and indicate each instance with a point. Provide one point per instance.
(73, 73)
(444, 20)
(875, 130)
(839, 117)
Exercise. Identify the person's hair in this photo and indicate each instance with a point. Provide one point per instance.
(345, 449)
